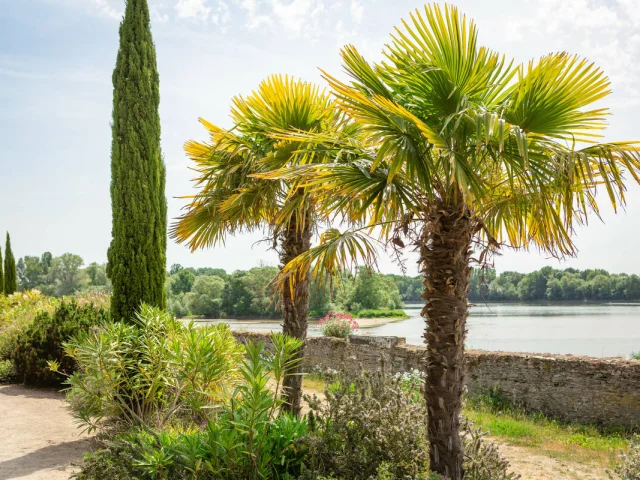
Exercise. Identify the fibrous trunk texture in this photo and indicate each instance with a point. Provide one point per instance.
(137, 254)
(296, 239)
(445, 251)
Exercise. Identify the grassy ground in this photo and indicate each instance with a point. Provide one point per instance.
(382, 313)
(580, 443)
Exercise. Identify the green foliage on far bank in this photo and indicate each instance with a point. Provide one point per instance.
(248, 293)
(62, 275)
(552, 284)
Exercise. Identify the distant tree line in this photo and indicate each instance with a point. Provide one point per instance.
(59, 276)
(553, 285)
(247, 293)
(214, 292)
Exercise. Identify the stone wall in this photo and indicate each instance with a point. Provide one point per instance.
(597, 391)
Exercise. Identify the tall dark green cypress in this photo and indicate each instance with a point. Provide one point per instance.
(1, 275)
(137, 255)
(10, 274)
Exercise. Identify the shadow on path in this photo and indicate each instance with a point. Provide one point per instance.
(61, 455)
(31, 392)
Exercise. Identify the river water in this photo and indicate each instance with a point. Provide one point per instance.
(598, 330)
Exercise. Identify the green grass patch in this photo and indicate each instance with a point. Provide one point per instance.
(382, 313)
(554, 438)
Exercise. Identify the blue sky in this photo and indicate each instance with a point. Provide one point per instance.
(56, 59)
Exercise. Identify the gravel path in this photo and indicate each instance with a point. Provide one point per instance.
(38, 438)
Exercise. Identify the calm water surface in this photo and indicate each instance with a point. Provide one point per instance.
(599, 330)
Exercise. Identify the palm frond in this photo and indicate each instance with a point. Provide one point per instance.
(336, 252)
(550, 96)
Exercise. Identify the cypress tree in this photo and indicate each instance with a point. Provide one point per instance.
(137, 255)
(10, 274)
(1, 275)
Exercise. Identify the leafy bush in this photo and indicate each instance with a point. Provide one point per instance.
(7, 371)
(114, 463)
(367, 420)
(383, 313)
(245, 436)
(17, 311)
(337, 324)
(482, 460)
(42, 341)
(147, 373)
(629, 467)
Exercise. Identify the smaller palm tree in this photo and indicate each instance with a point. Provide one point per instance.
(232, 198)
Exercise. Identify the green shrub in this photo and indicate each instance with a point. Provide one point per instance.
(629, 467)
(372, 426)
(383, 313)
(17, 312)
(113, 463)
(482, 460)
(367, 420)
(7, 371)
(42, 341)
(246, 436)
(147, 372)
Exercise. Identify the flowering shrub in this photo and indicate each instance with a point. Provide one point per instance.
(366, 426)
(337, 324)
(629, 467)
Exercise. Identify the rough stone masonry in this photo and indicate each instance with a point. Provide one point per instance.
(600, 391)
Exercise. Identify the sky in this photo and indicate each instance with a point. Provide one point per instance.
(57, 56)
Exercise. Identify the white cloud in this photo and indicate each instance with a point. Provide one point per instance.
(255, 17)
(193, 9)
(107, 9)
(606, 31)
(357, 10)
(298, 16)
(157, 16)
(221, 15)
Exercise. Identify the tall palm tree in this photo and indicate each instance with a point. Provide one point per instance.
(231, 199)
(459, 151)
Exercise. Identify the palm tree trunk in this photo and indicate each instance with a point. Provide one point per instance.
(445, 251)
(296, 239)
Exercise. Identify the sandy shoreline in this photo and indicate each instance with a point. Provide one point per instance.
(364, 323)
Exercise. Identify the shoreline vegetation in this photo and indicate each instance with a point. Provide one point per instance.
(246, 294)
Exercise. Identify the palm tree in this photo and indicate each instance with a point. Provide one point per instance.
(231, 199)
(459, 151)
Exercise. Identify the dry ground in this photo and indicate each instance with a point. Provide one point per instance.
(39, 440)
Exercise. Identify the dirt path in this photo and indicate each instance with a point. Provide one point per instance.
(39, 440)
(533, 464)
